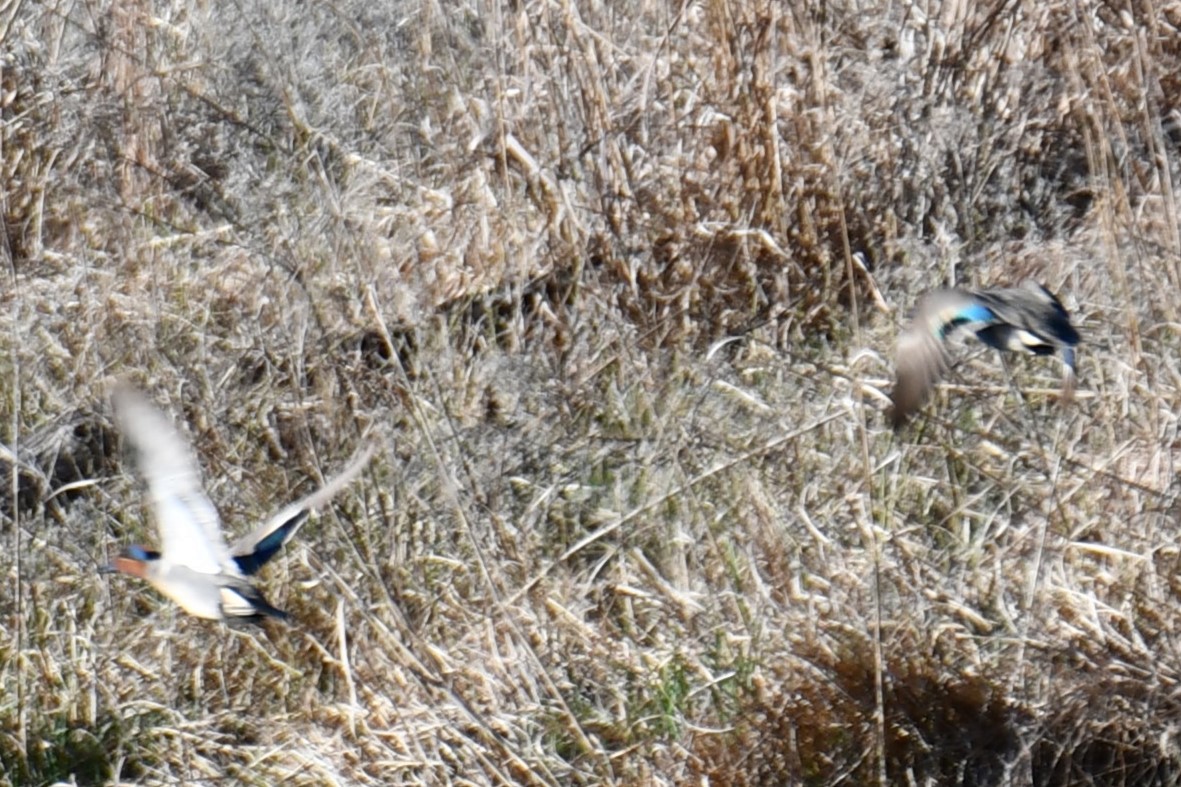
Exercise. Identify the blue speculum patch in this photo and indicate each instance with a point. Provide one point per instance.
(139, 553)
(972, 313)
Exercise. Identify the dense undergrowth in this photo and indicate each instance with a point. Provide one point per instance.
(617, 286)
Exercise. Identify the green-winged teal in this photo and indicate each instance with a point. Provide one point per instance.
(194, 567)
(1028, 318)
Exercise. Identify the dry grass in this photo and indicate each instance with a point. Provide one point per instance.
(602, 544)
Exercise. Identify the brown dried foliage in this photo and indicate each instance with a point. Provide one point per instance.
(617, 286)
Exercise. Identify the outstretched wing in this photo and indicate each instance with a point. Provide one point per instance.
(921, 357)
(190, 533)
(252, 551)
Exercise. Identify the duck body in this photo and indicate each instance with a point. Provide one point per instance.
(194, 567)
(1027, 319)
(222, 596)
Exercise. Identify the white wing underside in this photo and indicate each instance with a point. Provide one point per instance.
(190, 530)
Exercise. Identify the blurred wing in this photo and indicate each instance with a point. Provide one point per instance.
(921, 358)
(920, 362)
(252, 551)
(942, 312)
(190, 534)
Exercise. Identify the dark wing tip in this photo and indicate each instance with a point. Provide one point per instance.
(241, 602)
(1055, 318)
(904, 401)
(250, 621)
(896, 416)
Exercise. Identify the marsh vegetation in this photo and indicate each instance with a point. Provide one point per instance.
(618, 284)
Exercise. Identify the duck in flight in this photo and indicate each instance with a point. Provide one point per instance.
(1028, 319)
(194, 567)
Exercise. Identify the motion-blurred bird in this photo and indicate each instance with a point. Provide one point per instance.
(195, 568)
(1027, 318)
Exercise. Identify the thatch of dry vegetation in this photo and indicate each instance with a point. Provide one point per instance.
(616, 285)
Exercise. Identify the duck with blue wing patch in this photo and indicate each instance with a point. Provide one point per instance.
(194, 567)
(1028, 319)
